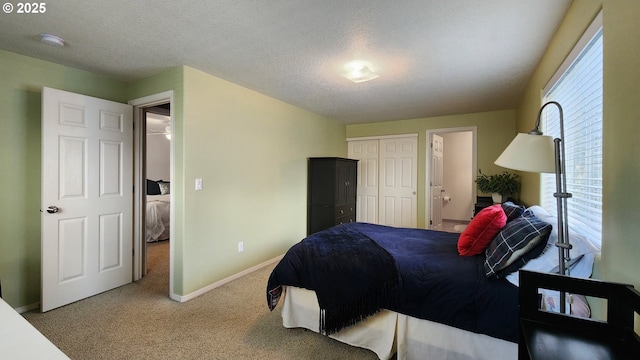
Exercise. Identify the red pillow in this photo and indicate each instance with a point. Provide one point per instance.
(481, 230)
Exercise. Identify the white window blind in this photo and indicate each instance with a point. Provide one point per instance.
(578, 89)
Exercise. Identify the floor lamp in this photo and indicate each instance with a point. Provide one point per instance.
(535, 152)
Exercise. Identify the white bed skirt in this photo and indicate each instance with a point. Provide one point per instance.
(388, 332)
(158, 217)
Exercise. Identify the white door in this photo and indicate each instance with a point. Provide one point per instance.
(398, 182)
(437, 151)
(366, 151)
(87, 199)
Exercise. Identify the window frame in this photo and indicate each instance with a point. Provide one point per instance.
(594, 234)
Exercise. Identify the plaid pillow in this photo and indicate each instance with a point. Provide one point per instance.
(515, 240)
(512, 210)
(520, 262)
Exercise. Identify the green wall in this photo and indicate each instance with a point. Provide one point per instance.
(621, 130)
(495, 131)
(22, 80)
(251, 152)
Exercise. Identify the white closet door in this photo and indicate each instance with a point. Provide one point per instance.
(367, 151)
(398, 181)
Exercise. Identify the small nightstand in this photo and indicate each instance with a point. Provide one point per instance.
(549, 335)
(481, 203)
(485, 201)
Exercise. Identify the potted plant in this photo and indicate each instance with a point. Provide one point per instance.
(499, 185)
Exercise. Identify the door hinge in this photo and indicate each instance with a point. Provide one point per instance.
(133, 252)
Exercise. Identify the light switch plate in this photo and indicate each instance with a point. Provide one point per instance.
(198, 184)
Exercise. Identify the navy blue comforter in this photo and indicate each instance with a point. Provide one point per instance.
(435, 282)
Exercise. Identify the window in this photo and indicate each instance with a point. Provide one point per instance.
(578, 88)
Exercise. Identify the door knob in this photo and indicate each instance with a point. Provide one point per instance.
(53, 209)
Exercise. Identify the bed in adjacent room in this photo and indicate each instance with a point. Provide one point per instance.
(417, 293)
(157, 211)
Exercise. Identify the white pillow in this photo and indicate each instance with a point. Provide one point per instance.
(548, 260)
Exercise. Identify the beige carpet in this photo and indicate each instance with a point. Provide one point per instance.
(139, 321)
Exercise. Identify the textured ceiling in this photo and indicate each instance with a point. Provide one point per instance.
(434, 57)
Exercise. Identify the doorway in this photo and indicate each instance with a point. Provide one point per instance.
(152, 114)
(157, 168)
(459, 166)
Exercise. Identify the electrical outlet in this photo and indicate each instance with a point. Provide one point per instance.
(240, 246)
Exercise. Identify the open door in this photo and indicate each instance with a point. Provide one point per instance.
(436, 190)
(87, 182)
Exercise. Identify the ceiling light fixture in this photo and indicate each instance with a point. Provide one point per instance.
(359, 71)
(51, 40)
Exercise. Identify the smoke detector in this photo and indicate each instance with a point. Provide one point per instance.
(51, 40)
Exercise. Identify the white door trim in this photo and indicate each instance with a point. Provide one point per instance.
(383, 137)
(474, 132)
(139, 183)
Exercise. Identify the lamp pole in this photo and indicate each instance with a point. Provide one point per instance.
(561, 196)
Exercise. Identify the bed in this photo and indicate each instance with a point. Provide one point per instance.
(157, 211)
(412, 292)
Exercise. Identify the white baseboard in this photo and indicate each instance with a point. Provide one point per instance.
(206, 289)
(24, 309)
(184, 298)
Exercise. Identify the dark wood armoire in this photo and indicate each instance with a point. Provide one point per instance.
(331, 198)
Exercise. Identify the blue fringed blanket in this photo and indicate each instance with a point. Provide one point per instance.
(351, 274)
(428, 279)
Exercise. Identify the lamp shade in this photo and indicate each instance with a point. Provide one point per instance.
(532, 153)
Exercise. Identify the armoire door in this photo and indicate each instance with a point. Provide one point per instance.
(331, 198)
